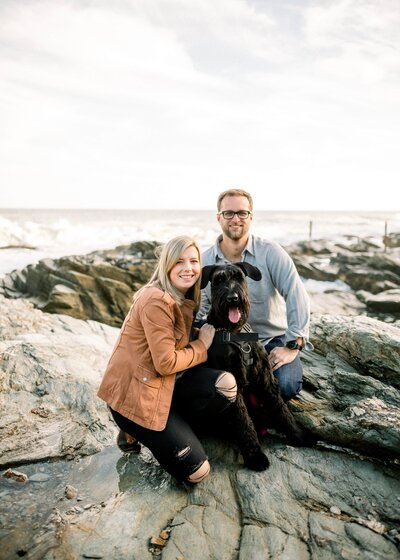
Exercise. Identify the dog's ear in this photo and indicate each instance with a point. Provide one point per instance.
(206, 273)
(251, 271)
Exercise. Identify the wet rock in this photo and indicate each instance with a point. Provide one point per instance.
(97, 286)
(39, 477)
(284, 512)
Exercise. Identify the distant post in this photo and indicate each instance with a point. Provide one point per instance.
(385, 238)
(310, 230)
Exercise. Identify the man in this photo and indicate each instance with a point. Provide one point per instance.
(280, 310)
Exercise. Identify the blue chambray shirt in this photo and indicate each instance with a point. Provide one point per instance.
(279, 302)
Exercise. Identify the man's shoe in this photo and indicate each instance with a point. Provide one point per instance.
(127, 443)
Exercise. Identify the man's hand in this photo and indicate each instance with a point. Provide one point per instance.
(280, 356)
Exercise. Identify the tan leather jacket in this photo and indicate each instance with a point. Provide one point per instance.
(152, 347)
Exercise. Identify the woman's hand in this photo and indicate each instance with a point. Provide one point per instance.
(206, 335)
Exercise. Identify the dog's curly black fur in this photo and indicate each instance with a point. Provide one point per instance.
(229, 300)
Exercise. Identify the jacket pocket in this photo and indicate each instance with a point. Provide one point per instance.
(143, 395)
(147, 377)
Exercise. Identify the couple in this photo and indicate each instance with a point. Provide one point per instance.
(155, 386)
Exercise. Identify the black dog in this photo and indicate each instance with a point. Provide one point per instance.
(247, 360)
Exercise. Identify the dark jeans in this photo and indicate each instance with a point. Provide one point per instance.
(290, 376)
(177, 447)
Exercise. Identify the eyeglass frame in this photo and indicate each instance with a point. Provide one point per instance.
(248, 212)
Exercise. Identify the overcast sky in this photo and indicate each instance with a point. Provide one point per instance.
(164, 103)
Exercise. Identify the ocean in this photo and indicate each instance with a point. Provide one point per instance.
(56, 233)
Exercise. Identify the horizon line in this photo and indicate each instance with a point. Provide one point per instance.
(59, 208)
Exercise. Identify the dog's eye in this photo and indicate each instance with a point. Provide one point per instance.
(218, 279)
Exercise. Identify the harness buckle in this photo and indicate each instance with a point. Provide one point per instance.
(245, 348)
(226, 336)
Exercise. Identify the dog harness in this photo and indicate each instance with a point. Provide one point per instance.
(239, 339)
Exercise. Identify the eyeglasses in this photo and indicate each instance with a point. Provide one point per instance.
(241, 214)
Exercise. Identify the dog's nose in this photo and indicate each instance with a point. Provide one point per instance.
(232, 298)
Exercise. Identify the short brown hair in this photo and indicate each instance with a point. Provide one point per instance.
(234, 192)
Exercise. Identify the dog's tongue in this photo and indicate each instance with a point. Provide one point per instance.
(234, 315)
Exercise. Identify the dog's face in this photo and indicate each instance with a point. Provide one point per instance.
(230, 304)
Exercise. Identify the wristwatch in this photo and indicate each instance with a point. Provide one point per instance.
(292, 344)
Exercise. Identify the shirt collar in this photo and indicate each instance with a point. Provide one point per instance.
(249, 248)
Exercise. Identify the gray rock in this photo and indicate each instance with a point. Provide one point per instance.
(97, 286)
(362, 264)
(373, 272)
(335, 302)
(282, 513)
(316, 268)
(39, 477)
(50, 369)
(370, 346)
(351, 384)
(312, 503)
(385, 302)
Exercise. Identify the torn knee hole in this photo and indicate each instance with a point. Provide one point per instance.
(200, 473)
(226, 386)
(182, 453)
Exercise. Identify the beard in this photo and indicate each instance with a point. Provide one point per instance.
(241, 231)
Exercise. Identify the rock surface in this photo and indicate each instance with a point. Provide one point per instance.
(336, 302)
(97, 286)
(322, 502)
(50, 367)
(351, 391)
(372, 274)
(310, 504)
(100, 285)
(386, 301)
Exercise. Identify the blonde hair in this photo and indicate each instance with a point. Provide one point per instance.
(169, 255)
(234, 192)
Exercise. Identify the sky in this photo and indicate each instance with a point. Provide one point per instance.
(166, 103)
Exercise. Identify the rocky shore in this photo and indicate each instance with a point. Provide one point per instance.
(99, 285)
(79, 497)
(96, 286)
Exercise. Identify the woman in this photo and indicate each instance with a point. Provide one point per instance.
(153, 384)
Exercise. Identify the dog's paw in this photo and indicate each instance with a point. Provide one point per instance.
(256, 461)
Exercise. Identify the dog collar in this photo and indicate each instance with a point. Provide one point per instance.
(222, 335)
(227, 336)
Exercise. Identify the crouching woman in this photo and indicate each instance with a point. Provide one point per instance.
(154, 385)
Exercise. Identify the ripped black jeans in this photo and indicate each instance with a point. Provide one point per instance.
(195, 400)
